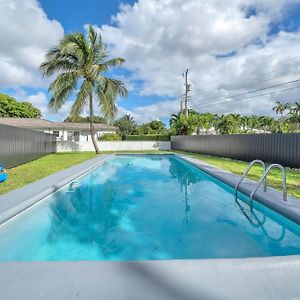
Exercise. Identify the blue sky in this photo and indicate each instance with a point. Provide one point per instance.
(73, 15)
(229, 48)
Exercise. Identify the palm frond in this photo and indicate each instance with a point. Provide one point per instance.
(81, 101)
(92, 35)
(115, 62)
(106, 103)
(75, 44)
(98, 49)
(48, 68)
(61, 88)
(107, 91)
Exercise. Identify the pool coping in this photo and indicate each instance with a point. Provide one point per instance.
(215, 279)
(245, 278)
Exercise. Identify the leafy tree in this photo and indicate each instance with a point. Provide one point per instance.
(295, 113)
(247, 124)
(292, 119)
(78, 59)
(265, 123)
(206, 121)
(126, 126)
(10, 108)
(184, 125)
(79, 119)
(250, 123)
(228, 124)
(153, 127)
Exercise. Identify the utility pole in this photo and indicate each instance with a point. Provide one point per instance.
(187, 87)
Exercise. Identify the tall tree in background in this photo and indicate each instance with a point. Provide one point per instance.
(153, 127)
(11, 108)
(183, 125)
(280, 108)
(206, 121)
(78, 59)
(228, 124)
(293, 117)
(295, 113)
(126, 126)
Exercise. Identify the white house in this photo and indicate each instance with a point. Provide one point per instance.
(71, 132)
(76, 136)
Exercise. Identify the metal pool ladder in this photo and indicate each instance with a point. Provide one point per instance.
(264, 176)
(256, 161)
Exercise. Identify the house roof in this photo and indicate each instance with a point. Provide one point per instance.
(45, 124)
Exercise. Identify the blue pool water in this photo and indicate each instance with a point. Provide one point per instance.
(144, 208)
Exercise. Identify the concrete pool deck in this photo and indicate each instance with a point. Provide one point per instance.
(263, 278)
(253, 278)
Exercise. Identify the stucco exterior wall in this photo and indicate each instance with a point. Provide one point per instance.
(65, 146)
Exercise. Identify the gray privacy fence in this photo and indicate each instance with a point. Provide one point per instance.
(273, 148)
(18, 145)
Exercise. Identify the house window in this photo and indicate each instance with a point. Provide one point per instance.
(76, 136)
(56, 133)
(73, 136)
(70, 136)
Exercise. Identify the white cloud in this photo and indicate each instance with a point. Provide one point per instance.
(40, 100)
(160, 39)
(26, 34)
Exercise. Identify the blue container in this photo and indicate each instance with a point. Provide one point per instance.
(3, 175)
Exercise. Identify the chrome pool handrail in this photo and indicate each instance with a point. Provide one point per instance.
(264, 176)
(260, 223)
(250, 218)
(256, 161)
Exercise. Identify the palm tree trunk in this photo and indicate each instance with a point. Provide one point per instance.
(92, 128)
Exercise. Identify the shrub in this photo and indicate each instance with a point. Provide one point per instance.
(149, 137)
(109, 137)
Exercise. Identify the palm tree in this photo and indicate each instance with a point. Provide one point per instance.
(295, 113)
(128, 118)
(279, 108)
(174, 118)
(296, 109)
(81, 60)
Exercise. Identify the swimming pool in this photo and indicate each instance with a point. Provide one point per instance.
(145, 207)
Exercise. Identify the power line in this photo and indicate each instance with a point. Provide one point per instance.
(264, 73)
(247, 93)
(253, 96)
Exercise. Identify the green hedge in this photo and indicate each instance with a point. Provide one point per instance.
(149, 137)
(109, 137)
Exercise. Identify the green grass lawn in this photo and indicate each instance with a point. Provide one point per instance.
(40, 168)
(53, 163)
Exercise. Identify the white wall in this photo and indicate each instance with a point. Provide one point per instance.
(65, 146)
